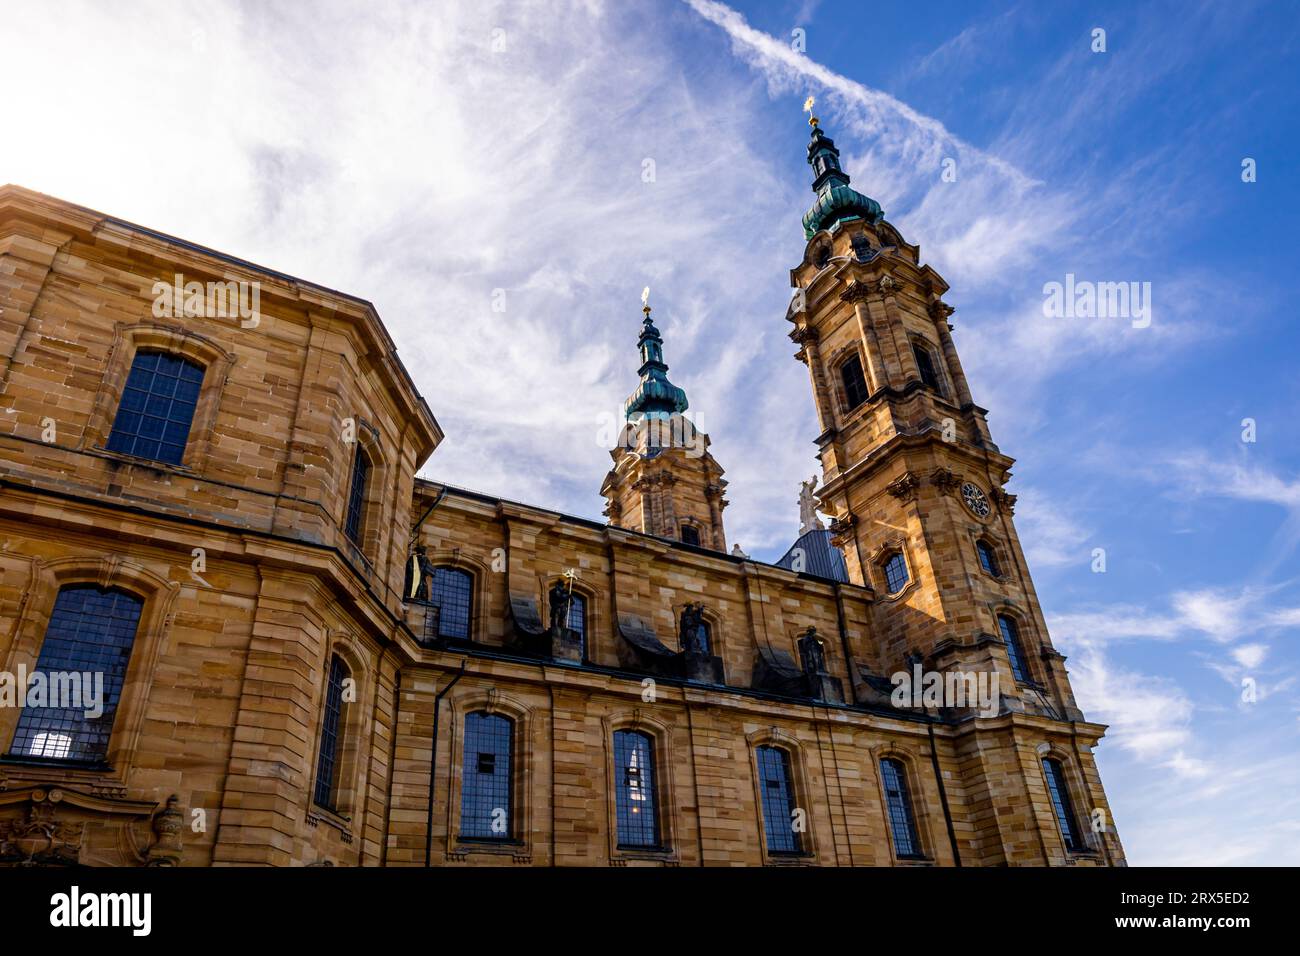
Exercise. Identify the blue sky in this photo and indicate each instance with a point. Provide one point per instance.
(426, 155)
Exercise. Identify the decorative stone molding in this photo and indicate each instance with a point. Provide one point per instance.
(805, 335)
(945, 480)
(888, 285)
(1004, 501)
(841, 529)
(904, 488)
(855, 292)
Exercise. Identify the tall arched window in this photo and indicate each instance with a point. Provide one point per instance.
(578, 619)
(925, 365)
(902, 823)
(855, 384)
(1015, 652)
(895, 572)
(486, 791)
(157, 407)
(451, 593)
(1064, 809)
(777, 789)
(91, 632)
(988, 558)
(331, 736)
(634, 789)
(357, 496)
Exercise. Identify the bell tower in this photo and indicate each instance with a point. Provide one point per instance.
(909, 469)
(665, 480)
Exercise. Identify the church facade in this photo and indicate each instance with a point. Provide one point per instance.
(237, 628)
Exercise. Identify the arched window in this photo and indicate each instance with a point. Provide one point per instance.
(988, 558)
(634, 789)
(486, 785)
(1060, 794)
(925, 365)
(578, 619)
(331, 736)
(451, 592)
(777, 788)
(855, 384)
(91, 632)
(895, 572)
(690, 535)
(157, 408)
(357, 496)
(1015, 653)
(902, 823)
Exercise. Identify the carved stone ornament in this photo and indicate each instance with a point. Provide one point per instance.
(841, 530)
(945, 480)
(41, 837)
(803, 334)
(1005, 502)
(856, 291)
(904, 488)
(887, 285)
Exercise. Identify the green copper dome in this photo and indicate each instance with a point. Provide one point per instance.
(655, 394)
(836, 199)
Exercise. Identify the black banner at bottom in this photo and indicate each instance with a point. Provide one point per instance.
(572, 907)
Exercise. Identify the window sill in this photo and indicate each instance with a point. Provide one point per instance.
(317, 814)
(164, 466)
(791, 859)
(626, 854)
(56, 763)
(517, 850)
(913, 861)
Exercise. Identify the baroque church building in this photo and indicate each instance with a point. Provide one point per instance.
(307, 655)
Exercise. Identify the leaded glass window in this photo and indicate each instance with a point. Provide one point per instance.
(1015, 653)
(578, 619)
(988, 558)
(925, 365)
(91, 632)
(357, 496)
(451, 591)
(855, 385)
(777, 790)
(157, 408)
(486, 812)
(1060, 794)
(634, 783)
(901, 821)
(896, 572)
(327, 764)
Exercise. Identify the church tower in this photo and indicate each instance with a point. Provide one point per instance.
(909, 469)
(664, 481)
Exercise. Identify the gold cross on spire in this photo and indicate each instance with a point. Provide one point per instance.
(808, 108)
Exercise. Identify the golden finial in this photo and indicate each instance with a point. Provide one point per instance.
(807, 108)
(645, 300)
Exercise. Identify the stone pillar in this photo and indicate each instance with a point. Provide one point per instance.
(940, 312)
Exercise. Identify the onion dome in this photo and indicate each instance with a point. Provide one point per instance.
(655, 394)
(836, 201)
